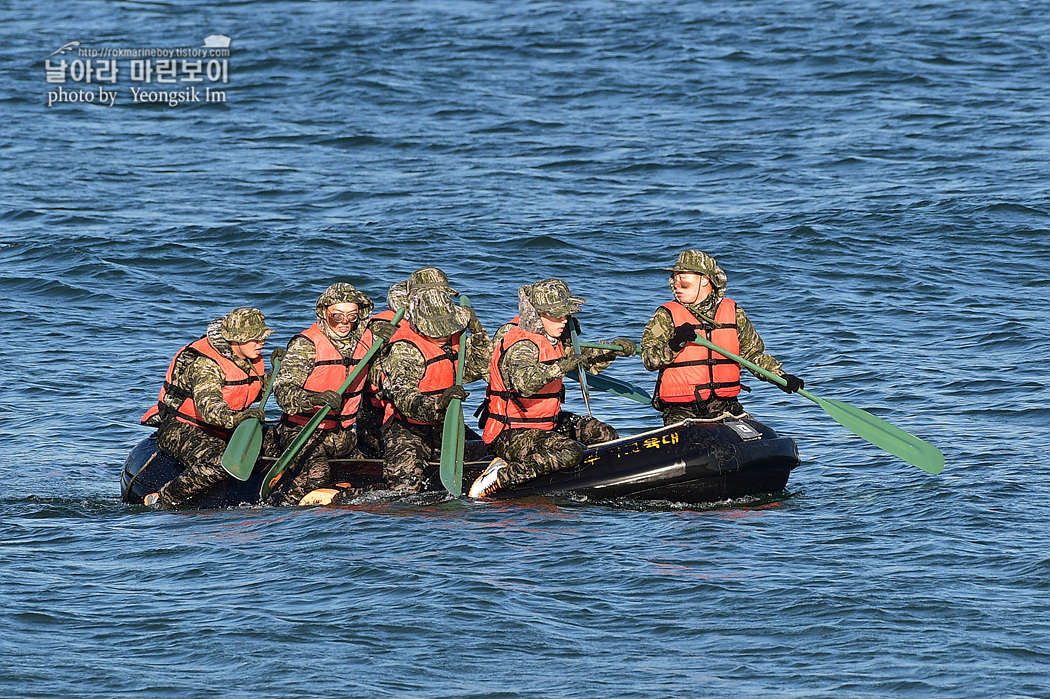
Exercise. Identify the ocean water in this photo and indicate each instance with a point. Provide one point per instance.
(871, 175)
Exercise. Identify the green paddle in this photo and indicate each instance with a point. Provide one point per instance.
(601, 345)
(582, 373)
(293, 449)
(860, 422)
(453, 434)
(603, 382)
(243, 449)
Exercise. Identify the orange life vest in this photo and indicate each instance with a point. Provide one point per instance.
(696, 371)
(329, 372)
(239, 389)
(509, 410)
(440, 371)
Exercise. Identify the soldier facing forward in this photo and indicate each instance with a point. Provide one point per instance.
(695, 382)
(317, 363)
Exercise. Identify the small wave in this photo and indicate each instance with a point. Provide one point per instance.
(20, 215)
(1016, 209)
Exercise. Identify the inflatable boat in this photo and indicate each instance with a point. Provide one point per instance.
(690, 462)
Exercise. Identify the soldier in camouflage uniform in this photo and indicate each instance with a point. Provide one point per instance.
(370, 414)
(305, 383)
(522, 416)
(417, 389)
(699, 285)
(194, 415)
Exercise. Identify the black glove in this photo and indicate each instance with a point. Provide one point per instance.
(450, 393)
(629, 348)
(242, 415)
(330, 398)
(277, 355)
(683, 335)
(794, 383)
(572, 361)
(383, 329)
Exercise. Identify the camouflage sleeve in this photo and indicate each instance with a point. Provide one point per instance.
(205, 379)
(655, 351)
(522, 370)
(288, 388)
(476, 328)
(752, 348)
(600, 359)
(375, 370)
(405, 368)
(479, 354)
(501, 332)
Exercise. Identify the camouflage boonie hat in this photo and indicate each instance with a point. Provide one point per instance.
(552, 296)
(244, 325)
(433, 313)
(397, 297)
(342, 292)
(429, 278)
(700, 263)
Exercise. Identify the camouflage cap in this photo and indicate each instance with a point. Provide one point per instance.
(243, 325)
(429, 278)
(397, 297)
(342, 292)
(700, 263)
(433, 313)
(552, 296)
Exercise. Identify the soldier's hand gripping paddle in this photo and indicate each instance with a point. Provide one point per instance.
(860, 422)
(453, 434)
(604, 382)
(293, 449)
(243, 449)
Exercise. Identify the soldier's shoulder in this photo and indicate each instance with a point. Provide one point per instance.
(403, 351)
(300, 343)
(203, 368)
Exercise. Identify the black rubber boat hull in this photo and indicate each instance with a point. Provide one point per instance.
(692, 462)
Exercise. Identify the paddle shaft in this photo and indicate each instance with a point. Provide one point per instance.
(293, 449)
(269, 384)
(601, 382)
(582, 372)
(601, 346)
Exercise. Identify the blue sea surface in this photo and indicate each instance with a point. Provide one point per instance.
(872, 176)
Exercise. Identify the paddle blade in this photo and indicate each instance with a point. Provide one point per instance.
(882, 434)
(452, 444)
(243, 450)
(602, 382)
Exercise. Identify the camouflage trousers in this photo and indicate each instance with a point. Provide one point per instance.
(701, 411)
(532, 453)
(310, 469)
(407, 448)
(201, 454)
